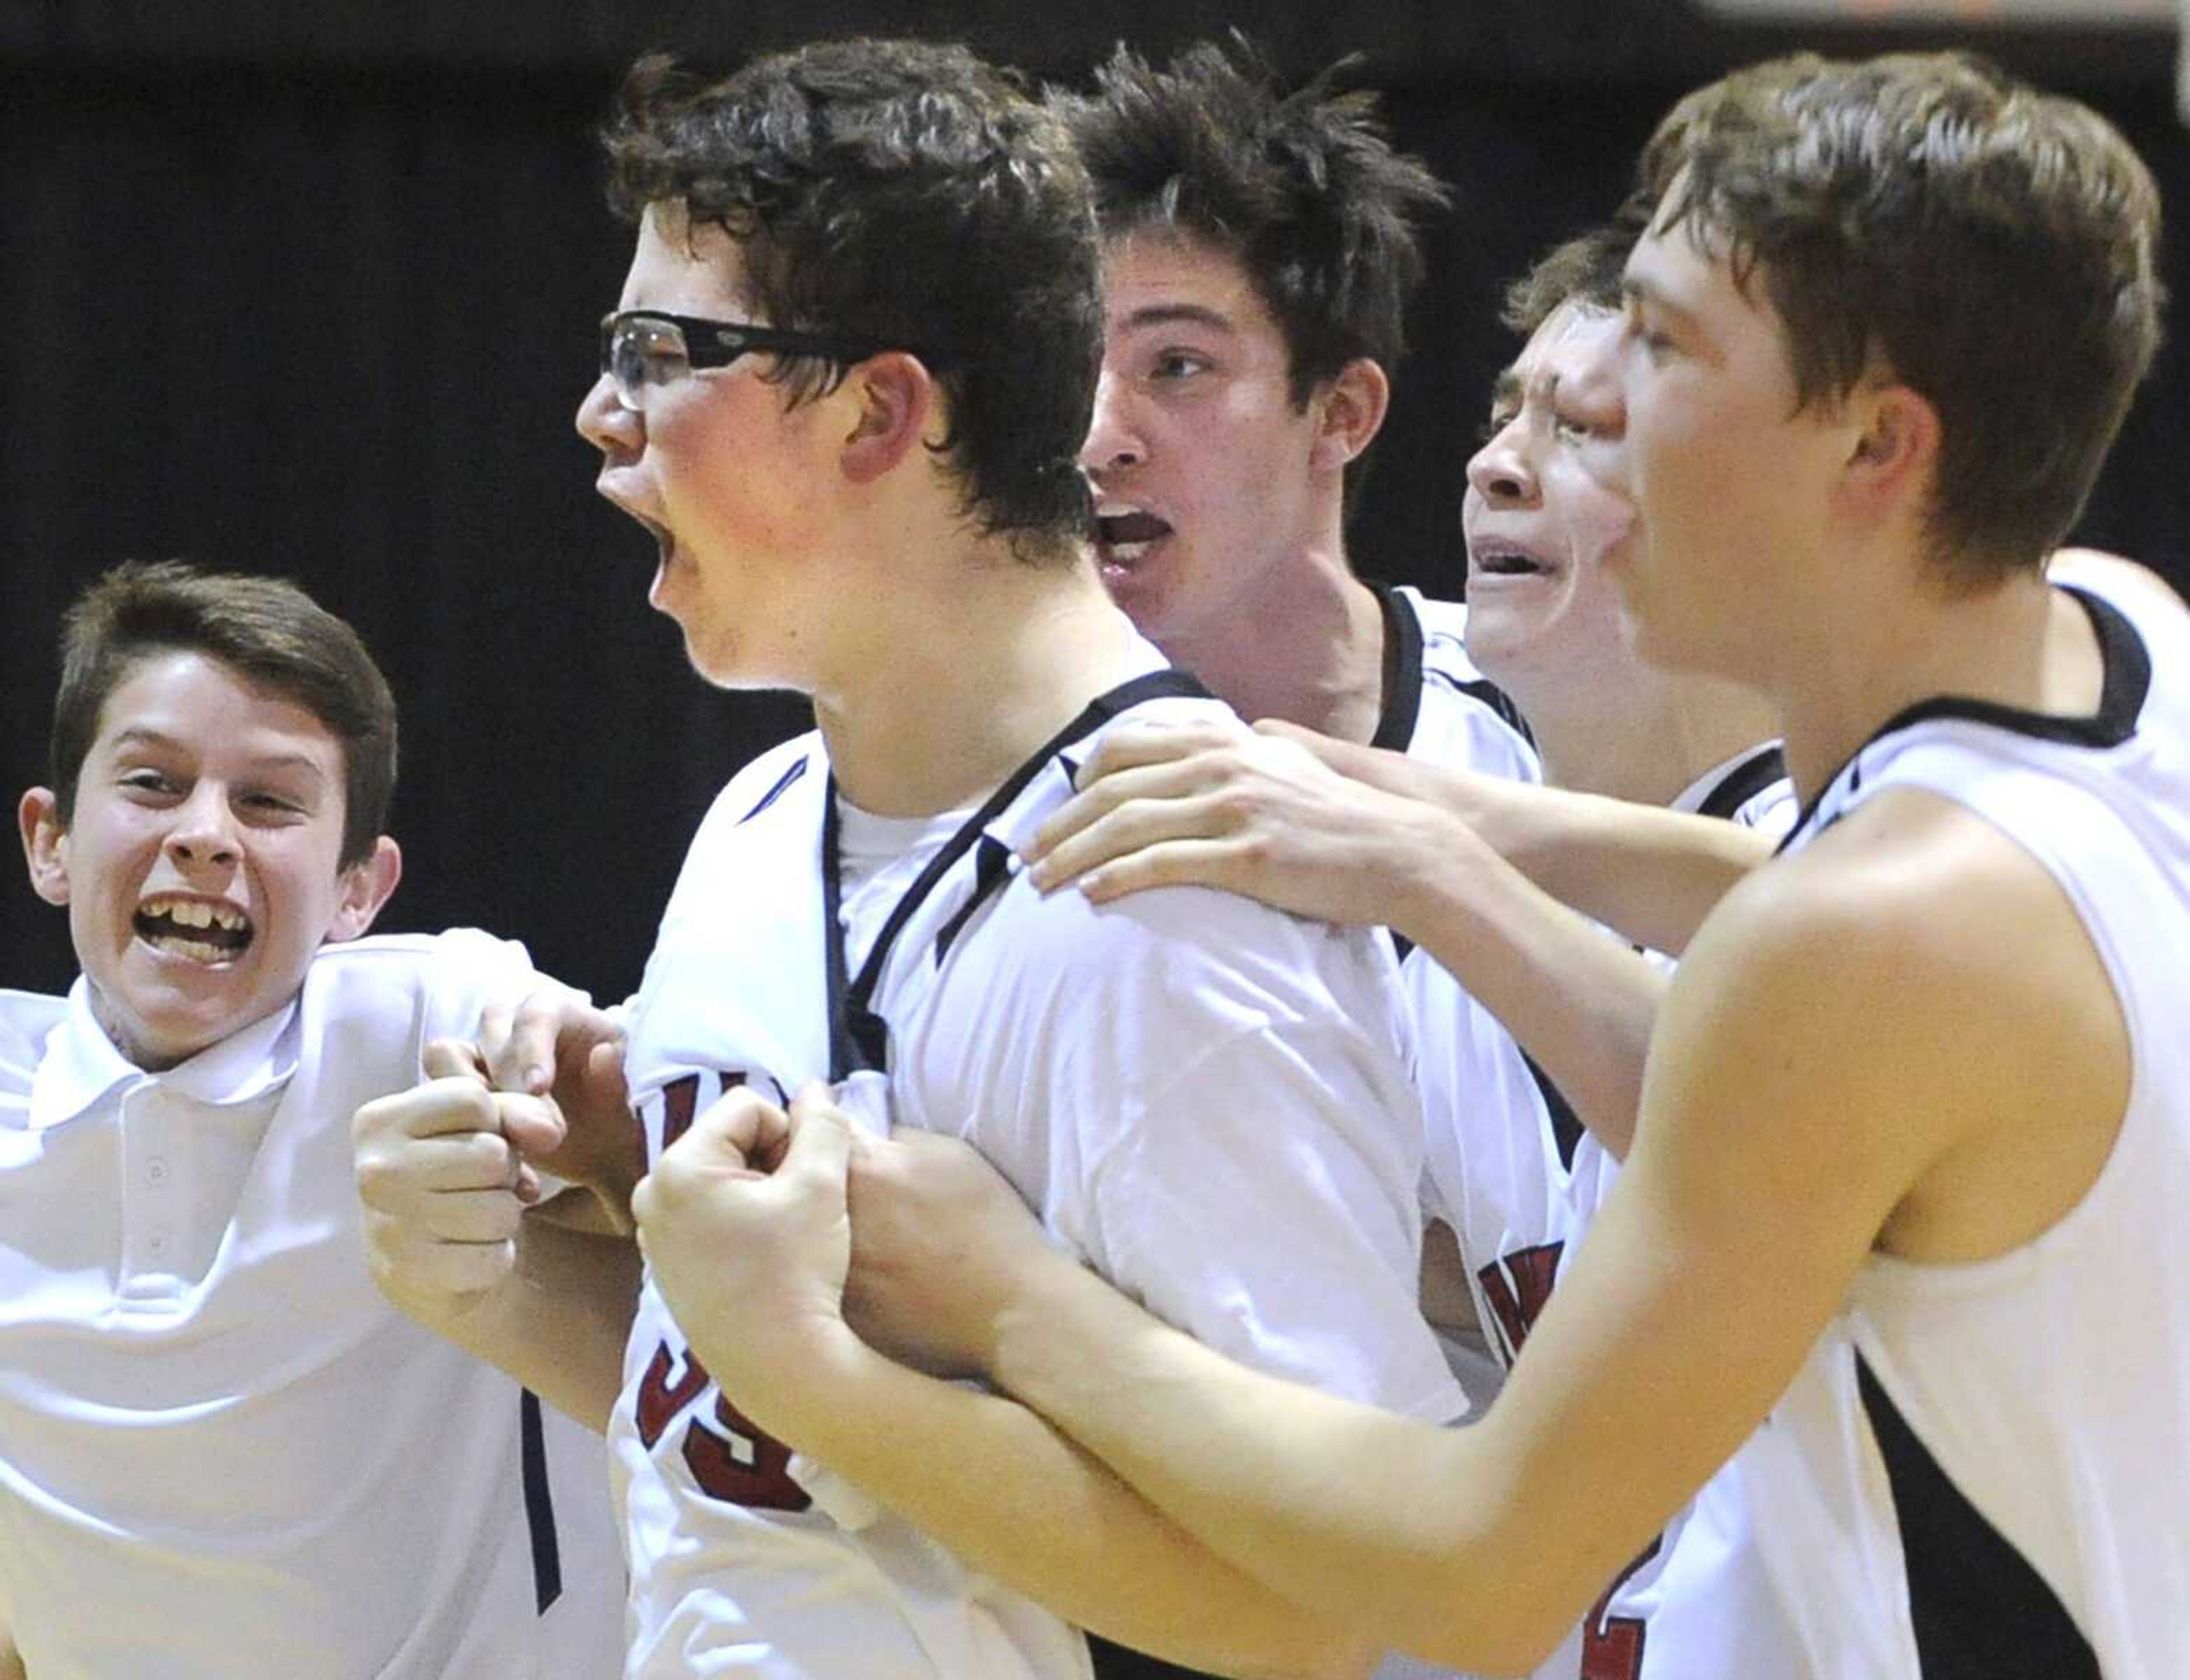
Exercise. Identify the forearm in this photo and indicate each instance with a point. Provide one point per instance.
(1017, 1501)
(1364, 1515)
(559, 1321)
(1652, 875)
(1580, 1003)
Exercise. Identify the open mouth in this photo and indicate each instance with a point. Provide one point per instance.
(1125, 535)
(1492, 560)
(195, 930)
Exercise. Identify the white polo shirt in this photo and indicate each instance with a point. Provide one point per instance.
(223, 1455)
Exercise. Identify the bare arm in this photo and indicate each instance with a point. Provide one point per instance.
(451, 1240)
(989, 1480)
(1360, 836)
(1843, 1042)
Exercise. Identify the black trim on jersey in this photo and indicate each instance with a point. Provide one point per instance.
(1743, 782)
(858, 1038)
(992, 862)
(2127, 680)
(1566, 1125)
(1404, 666)
(782, 786)
(1401, 704)
(1980, 1611)
(1118, 1662)
(539, 1505)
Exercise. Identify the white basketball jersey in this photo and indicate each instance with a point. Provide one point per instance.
(1513, 1170)
(1985, 1468)
(223, 1455)
(1205, 1099)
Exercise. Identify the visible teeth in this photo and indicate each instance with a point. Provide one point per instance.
(197, 950)
(1127, 553)
(197, 913)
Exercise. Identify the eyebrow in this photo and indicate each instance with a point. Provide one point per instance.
(1641, 288)
(140, 734)
(1505, 390)
(1169, 314)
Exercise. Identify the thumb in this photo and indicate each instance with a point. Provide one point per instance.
(820, 1151)
(531, 1124)
(452, 1058)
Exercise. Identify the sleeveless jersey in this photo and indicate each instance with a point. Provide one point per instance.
(1985, 1468)
(1513, 1170)
(1206, 1099)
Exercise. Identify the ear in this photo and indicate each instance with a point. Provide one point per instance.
(1895, 450)
(365, 888)
(894, 399)
(45, 845)
(1352, 408)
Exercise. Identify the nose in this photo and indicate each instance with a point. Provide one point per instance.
(204, 831)
(1499, 472)
(608, 425)
(1114, 443)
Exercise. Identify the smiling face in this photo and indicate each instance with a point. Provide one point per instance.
(729, 479)
(199, 865)
(1542, 531)
(1203, 467)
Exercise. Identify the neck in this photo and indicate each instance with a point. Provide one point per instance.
(2017, 643)
(961, 671)
(1309, 648)
(1645, 738)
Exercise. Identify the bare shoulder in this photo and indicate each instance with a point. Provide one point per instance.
(1920, 986)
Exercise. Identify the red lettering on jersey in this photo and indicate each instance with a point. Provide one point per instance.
(1612, 1646)
(729, 1459)
(680, 1105)
(1516, 1286)
(738, 1463)
(659, 1398)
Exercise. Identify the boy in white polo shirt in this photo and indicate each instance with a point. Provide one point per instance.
(223, 1455)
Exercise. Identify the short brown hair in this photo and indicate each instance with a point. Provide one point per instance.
(1994, 244)
(907, 192)
(1585, 270)
(263, 628)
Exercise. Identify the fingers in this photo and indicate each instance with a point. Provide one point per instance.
(821, 1142)
(1132, 746)
(524, 1047)
(1183, 800)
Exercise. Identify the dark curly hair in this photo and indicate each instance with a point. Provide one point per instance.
(1300, 186)
(906, 192)
(266, 630)
(1994, 244)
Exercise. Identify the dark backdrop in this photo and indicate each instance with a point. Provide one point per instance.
(310, 289)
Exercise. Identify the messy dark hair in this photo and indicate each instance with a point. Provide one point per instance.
(1300, 186)
(906, 193)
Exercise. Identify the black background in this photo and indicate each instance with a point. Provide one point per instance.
(310, 288)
